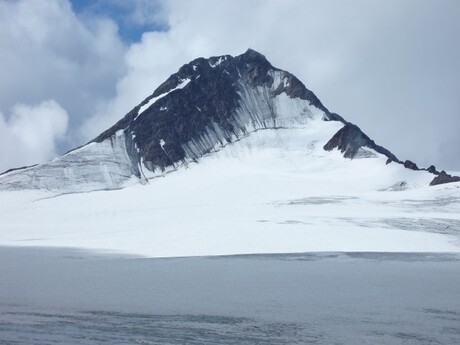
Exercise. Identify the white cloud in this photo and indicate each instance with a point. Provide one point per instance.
(47, 52)
(30, 133)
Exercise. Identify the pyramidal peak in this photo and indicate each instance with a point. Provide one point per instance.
(203, 109)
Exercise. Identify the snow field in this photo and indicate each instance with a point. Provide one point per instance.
(271, 192)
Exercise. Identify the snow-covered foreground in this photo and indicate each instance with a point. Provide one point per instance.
(276, 191)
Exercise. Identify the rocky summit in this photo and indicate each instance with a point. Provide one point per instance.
(204, 107)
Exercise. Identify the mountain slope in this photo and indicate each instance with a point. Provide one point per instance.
(205, 106)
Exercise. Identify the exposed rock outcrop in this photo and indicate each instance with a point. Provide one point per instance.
(432, 169)
(350, 139)
(444, 177)
(410, 165)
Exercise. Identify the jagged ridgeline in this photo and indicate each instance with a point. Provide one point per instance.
(207, 105)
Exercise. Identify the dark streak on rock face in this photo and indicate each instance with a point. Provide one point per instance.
(16, 169)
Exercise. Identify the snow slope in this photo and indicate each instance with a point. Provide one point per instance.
(105, 165)
(273, 191)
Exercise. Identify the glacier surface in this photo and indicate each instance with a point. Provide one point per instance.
(274, 191)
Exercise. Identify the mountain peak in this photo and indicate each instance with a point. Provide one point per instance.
(252, 55)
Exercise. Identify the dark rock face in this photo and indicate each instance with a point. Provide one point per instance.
(432, 169)
(209, 99)
(444, 177)
(350, 139)
(410, 165)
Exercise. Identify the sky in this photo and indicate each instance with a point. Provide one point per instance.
(70, 69)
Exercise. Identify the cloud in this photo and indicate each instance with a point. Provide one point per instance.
(30, 133)
(47, 52)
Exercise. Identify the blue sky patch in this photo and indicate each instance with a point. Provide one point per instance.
(132, 17)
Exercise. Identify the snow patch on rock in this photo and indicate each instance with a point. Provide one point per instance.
(152, 100)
